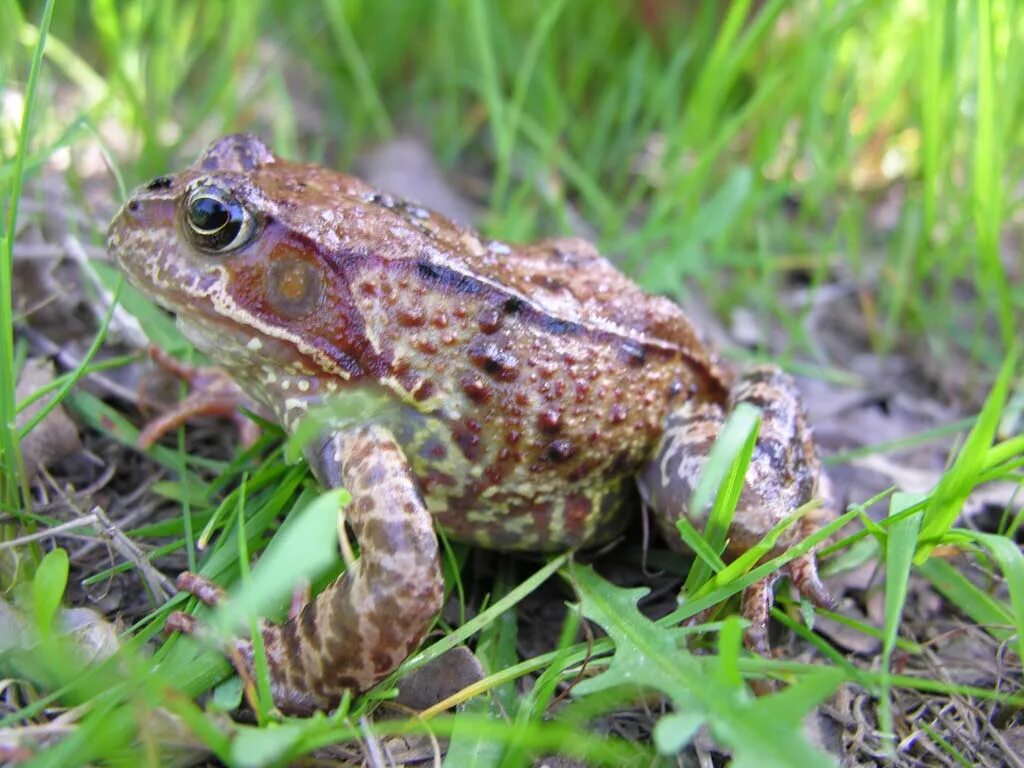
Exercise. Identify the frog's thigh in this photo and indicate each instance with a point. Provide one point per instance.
(364, 625)
(667, 480)
(783, 472)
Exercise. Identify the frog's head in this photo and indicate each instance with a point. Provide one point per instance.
(239, 246)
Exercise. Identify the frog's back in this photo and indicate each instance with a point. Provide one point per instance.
(534, 380)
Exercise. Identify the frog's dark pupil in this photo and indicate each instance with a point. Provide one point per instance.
(216, 221)
(209, 214)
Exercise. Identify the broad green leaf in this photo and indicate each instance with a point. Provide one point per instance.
(649, 656)
(258, 747)
(306, 546)
(51, 577)
(675, 730)
(467, 745)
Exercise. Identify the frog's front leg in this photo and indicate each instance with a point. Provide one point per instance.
(359, 629)
(784, 474)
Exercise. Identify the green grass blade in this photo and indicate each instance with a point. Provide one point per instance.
(1011, 561)
(980, 606)
(947, 499)
(987, 186)
(899, 555)
(10, 453)
(723, 475)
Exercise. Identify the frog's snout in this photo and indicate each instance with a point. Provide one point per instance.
(127, 220)
(148, 208)
(142, 228)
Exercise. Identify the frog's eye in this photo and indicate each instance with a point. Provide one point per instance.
(217, 222)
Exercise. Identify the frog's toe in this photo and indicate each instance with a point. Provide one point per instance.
(182, 622)
(211, 393)
(756, 607)
(201, 588)
(759, 598)
(803, 572)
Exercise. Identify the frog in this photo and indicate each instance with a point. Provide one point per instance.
(522, 397)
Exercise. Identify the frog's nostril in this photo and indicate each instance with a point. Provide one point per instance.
(133, 206)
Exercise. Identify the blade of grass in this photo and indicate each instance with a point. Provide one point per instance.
(947, 499)
(899, 554)
(10, 452)
(1011, 561)
(980, 606)
(353, 57)
(987, 186)
(503, 158)
(725, 472)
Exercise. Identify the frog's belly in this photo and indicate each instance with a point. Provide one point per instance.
(489, 499)
(582, 517)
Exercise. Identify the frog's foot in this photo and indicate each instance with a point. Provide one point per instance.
(211, 393)
(358, 630)
(759, 598)
(211, 595)
(803, 572)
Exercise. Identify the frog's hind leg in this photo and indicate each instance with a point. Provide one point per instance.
(366, 623)
(782, 476)
(359, 629)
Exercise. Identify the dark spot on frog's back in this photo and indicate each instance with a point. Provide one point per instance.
(776, 453)
(559, 451)
(489, 320)
(492, 359)
(291, 640)
(307, 623)
(549, 420)
(375, 475)
(633, 353)
(475, 389)
(411, 316)
(381, 535)
(513, 305)
(448, 278)
(557, 326)
(433, 450)
(468, 441)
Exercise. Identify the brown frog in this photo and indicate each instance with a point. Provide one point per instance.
(521, 393)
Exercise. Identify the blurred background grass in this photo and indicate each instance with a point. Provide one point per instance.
(721, 143)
